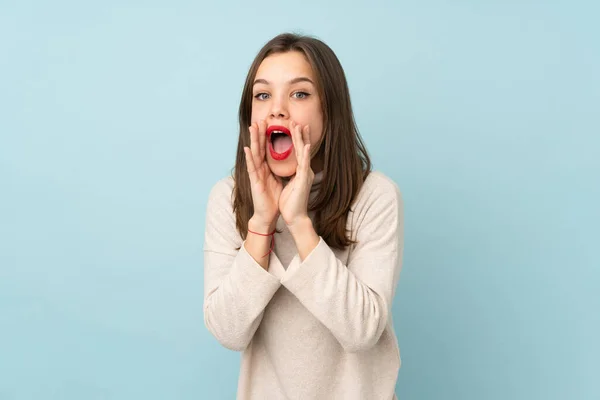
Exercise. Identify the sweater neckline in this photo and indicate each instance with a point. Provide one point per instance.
(316, 185)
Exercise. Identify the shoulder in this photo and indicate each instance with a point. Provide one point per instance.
(379, 188)
(220, 230)
(377, 212)
(378, 200)
(220, 197)
(222, 189)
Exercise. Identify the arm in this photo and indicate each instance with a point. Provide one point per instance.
(353, 301)
(236, 287)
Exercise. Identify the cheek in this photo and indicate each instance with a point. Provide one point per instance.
(257, 112)
(311, 116)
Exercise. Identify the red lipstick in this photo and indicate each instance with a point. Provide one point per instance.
(278, 129)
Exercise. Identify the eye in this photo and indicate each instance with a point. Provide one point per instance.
(261, 96)
(300, 95)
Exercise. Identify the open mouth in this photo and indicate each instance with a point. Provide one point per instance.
(280, 142)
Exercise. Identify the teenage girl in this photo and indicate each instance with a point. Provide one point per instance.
(303, 243)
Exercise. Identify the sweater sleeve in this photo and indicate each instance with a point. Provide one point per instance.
(354, 301)
(236, 288)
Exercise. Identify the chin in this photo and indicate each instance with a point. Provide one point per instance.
(283, 169)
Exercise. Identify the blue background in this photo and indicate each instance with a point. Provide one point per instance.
(117, 117)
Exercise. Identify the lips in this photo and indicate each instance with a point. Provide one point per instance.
(280, 142)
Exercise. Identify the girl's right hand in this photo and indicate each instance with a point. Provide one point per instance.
(265, 186)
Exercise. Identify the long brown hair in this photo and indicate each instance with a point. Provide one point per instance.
(345, 159)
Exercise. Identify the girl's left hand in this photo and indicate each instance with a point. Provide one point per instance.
(293, 202)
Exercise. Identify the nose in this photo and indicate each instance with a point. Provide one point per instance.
(278, 109)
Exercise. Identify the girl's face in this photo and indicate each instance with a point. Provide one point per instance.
(285, 90)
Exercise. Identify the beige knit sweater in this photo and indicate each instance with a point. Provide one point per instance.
(319, 329)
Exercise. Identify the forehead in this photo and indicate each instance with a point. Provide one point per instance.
(284, 67)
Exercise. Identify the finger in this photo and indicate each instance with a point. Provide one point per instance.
(306, 135)
(254, 144)
(306, 163)
(262, 138)
(292, 129)
(250, 165)
(292, 182)
(300, 140)
(296, 139)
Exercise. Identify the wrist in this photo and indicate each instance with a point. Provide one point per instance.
(264, 227)
(300, 226)
(305, 236)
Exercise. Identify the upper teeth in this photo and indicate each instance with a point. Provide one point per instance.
(277, 132)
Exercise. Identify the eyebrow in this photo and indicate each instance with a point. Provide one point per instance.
(295, 80)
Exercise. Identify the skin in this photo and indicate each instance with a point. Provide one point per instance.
(284, 94)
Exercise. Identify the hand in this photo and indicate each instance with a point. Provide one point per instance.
(293, 203)
(265, 186)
